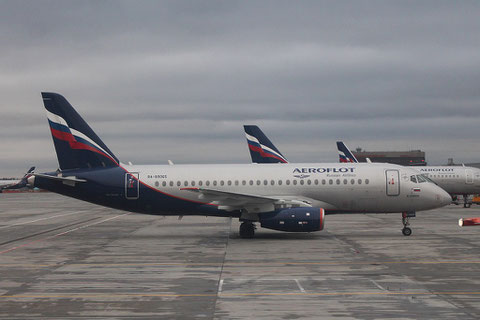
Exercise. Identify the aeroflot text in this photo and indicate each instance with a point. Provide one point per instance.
(322, 170)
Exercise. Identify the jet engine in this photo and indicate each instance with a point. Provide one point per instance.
(294, 220)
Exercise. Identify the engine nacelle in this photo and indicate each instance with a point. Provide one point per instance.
(294, 220)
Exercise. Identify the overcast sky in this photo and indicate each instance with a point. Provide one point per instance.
(161, 80)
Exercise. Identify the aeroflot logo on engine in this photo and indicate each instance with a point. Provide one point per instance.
(323, 170)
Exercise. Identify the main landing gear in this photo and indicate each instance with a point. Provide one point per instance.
(406, 223)
(247, 230)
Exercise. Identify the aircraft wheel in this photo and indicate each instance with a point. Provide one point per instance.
(407, 231)
(247, 230)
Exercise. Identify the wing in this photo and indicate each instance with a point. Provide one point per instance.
(231, 201)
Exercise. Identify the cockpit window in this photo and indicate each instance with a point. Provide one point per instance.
(421, 179)
(413, 179)
(428, 179)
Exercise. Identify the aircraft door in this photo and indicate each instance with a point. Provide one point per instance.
(393, 182)
(469, 176)
(131, 185)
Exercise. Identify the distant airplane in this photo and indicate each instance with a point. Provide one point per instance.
(4, 183)
(289, 197)
(16, 184)
(456, 180)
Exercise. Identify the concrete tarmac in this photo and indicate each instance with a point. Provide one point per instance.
(61, 258)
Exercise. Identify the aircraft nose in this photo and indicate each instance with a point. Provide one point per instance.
(443, 197)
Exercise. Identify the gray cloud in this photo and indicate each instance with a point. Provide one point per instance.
(171, 79)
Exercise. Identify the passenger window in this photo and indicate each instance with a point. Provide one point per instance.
(330, 181)
(316, 181)
(251, 182)
(244, 183)
(164, 183)
(288, 182)
(258, 182)
(272, 182)
(193, 183)
(236, 182)
(359, 181)
(265, 182)
(185, 183)
(367, 181)
(338, 181)
(352, 181)
(222, 182)
(229, 182)
(294, 182)
(200, 183)
(413, 179)
(207, 183)
(324, 181)
(279, 182)
(157, 184)
(302, 182)
(171, 183)
(179, 183)
(345, 181)
(309, 182)
(214, 182)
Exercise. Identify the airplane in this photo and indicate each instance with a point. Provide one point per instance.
(17, 184)
(289, 197)
(456, 180)
(5, 183)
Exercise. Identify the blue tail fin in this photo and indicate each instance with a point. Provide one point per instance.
(344, 153)
(76, 144)
(261, 148)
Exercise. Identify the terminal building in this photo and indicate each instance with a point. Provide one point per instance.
(404, 158)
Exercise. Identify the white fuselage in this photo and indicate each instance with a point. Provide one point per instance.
(352, 187)
(454, 179)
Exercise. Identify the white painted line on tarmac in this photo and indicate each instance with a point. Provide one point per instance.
(220, 286)
(377, 285)
(299, 286)
(63, 233)
(41, 219)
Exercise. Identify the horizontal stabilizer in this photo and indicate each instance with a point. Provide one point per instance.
(70, 180)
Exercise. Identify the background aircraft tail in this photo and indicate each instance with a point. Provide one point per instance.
(76, 144)
(261, 148)
(344, 153)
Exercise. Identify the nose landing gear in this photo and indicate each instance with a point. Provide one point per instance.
(406, 222)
